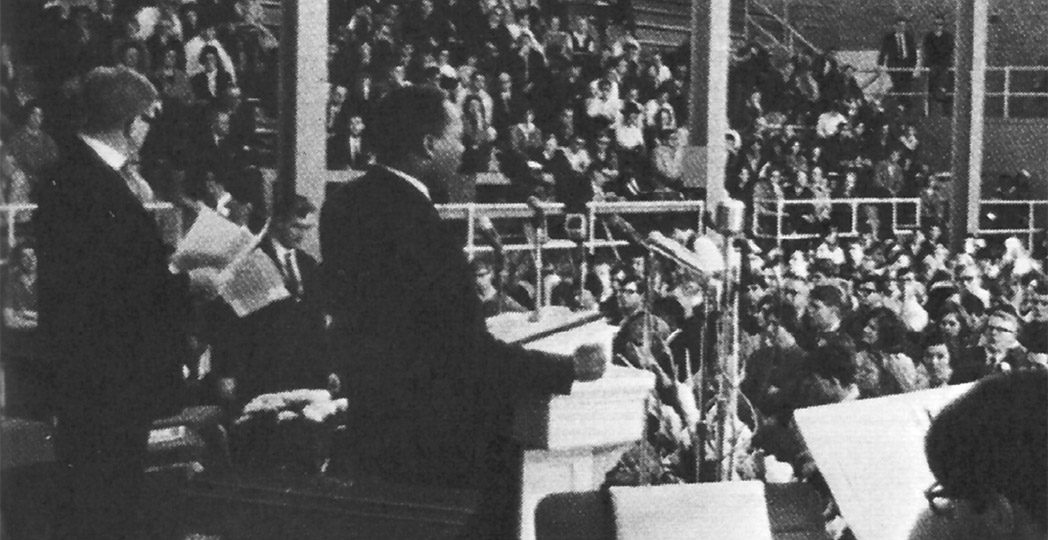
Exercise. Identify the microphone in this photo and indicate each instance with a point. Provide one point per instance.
(619, 225)
(536, 206)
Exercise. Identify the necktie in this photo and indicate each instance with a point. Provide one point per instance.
(294, 287)
(138, 185)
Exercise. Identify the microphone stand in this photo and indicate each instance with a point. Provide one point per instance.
(536, 246)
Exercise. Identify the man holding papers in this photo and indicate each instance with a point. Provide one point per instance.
(111, 310)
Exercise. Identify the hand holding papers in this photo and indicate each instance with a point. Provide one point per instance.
(247, 279)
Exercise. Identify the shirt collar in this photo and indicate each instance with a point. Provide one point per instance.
(411, 180)
(110, 155)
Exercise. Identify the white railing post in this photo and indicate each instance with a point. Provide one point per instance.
(1007, 88)
(591, 228)
(778, 221)
(1029, 226)
(11, 229)
(471, 218)
(854, 217)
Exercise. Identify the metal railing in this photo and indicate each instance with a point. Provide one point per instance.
(471, 212)
(1006, 94)
(780, 235)
(1030, 230)
(791, 35)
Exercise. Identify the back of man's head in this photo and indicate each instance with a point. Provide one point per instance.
(111, 97)
(829, 295)
(993, 441)
(402, 120)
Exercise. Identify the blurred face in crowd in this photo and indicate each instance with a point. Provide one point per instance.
(950, 325)
(824, 317)
(210, 62)
(968, 278)
(447, 148)
(1001, 332)
(937, 361)
(292, 232)
(871, 333)
(171, 59)
(356, 126)
(1039, 307)
(220, 124)
(795, 292)
(484, 278)
(630, 298)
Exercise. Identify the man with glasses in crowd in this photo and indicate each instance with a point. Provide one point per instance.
(999, 351)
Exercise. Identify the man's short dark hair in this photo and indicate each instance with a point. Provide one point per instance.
(208, 49)
(403, 118)
(829, 295)
(297, 208)
(994, 440)
(111, 98)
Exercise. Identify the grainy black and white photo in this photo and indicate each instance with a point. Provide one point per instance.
(524, 269)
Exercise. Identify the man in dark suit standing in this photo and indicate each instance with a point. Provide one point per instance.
(899, 52)
(281, 346)
(433, 389)
(938, 58)
(112, 311)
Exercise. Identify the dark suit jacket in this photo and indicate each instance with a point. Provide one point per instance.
(890, 54)
(203, 92)
(974, 364)
(112, 314)
(432, 388)
(279, 347)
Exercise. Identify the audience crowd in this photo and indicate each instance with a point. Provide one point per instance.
(213, 62)
(574, 109)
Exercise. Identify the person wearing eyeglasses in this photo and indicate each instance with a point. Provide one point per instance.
(113, 310)
(1034, 335)
(999, 350)
(988, 452)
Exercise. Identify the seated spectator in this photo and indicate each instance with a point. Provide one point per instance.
(492, 299)
(170, 78)
(830, 377)
(628, 344)
(569, 169)
(32, 148)
(935, 369)
(603, 110)
(987, 451)
(884, 367)
(213, 80)
(667, 162)
(629, 142)
(351, 150)
(999, 352)
(195, 48)
(604, 167)
(525, 136)
(661, 102)
(478, 136)
(830, 122)
(1033, 335)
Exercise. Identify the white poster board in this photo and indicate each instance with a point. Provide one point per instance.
(871, 453)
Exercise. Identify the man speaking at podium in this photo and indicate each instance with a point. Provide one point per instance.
(431, 389)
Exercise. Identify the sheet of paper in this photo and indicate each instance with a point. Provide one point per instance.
(871, 453)
(251, 283)
(212, 238)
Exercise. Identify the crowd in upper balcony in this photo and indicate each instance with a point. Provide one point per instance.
(213, 63)
(567, 107)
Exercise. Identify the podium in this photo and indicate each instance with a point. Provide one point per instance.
(570, 442)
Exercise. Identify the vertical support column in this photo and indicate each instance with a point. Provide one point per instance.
(969, 103)
(301, 138)
(708, 114)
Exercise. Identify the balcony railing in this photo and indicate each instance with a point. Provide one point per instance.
(779, 233)
(1011, 94)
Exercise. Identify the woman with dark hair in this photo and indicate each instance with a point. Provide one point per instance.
(884, 367)
(212, 83)
(953, 325)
